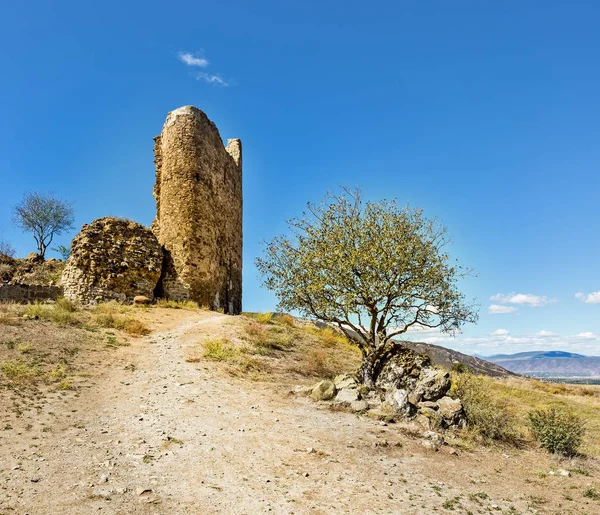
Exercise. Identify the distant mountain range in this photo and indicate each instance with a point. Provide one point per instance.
(447, 358)
(549, 364)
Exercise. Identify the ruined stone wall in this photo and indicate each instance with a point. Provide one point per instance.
(16, 292)
(198, 196)
(112, 259)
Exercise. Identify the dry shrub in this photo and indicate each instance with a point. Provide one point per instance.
(328, 336)
(261, 318)
(8, 319)
(255, 331)
(7, 252)
(557, 430)
(19, 371)
(177, 304)
(487, 415)
(61, 313)
(110, 307)
(317, 364)
(286, 319)
(131, 326)
(219, 349)
(66, 305)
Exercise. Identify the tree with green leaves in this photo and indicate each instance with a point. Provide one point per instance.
(374, 270)
(45, 217)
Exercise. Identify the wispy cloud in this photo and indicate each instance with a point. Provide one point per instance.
(545, 333)
(192, 60)
(496, 309)
(197, 60)
(522, 299)
(589, 298)
(212, 79)
(502, 341)
(587, 336)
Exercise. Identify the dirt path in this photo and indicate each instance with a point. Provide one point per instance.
(156, 434)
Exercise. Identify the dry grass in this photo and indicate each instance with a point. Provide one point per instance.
(178, 304)
(219, 349)
(47, 345)
(129, 325)
(521, 396)
(276, 348)
(261, 318)
(61, 312)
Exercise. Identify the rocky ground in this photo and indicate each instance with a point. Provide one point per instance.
(148, 431)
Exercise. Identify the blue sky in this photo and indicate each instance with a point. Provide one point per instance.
(486, 114)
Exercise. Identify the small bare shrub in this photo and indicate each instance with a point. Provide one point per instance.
(7, 252)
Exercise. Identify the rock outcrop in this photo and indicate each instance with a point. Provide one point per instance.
(407, 386)
(198, 221)
(112, 259)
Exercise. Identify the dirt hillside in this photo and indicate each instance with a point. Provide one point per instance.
(154, 428)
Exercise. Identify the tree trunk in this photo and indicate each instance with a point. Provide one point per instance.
(367, 370)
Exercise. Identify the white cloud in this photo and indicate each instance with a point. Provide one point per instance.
(191, 60)
(200, 61)
(587, 336)
(496, 309)
(501, 341)
(590, 298)
(212, 79)
(522, 299)
(545, 333)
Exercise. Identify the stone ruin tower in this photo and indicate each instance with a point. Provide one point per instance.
(198, 221)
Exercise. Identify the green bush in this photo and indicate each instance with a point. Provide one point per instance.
(460, 368)
(558, 431)
(487, 415)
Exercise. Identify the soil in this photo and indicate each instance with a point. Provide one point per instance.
(149, 433)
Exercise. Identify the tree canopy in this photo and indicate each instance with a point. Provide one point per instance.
(373, 269)
(45, 217)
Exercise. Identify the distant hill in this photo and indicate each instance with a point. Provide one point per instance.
(444, 357)
(447, 357)
(549, 364)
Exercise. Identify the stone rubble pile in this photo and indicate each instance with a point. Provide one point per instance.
(409, 386)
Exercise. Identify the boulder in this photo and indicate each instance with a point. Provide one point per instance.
(398, 399)
(402, 370)
(432, 440)
(142, 300)
(323, 391)
(451, 412)
(344, 381)
(34, 257)
(358, 406)
(432, 385)
(347, 395)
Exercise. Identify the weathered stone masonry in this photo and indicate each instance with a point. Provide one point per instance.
(198, 222)
(29, 292)
(112, 259)
(194, 248)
